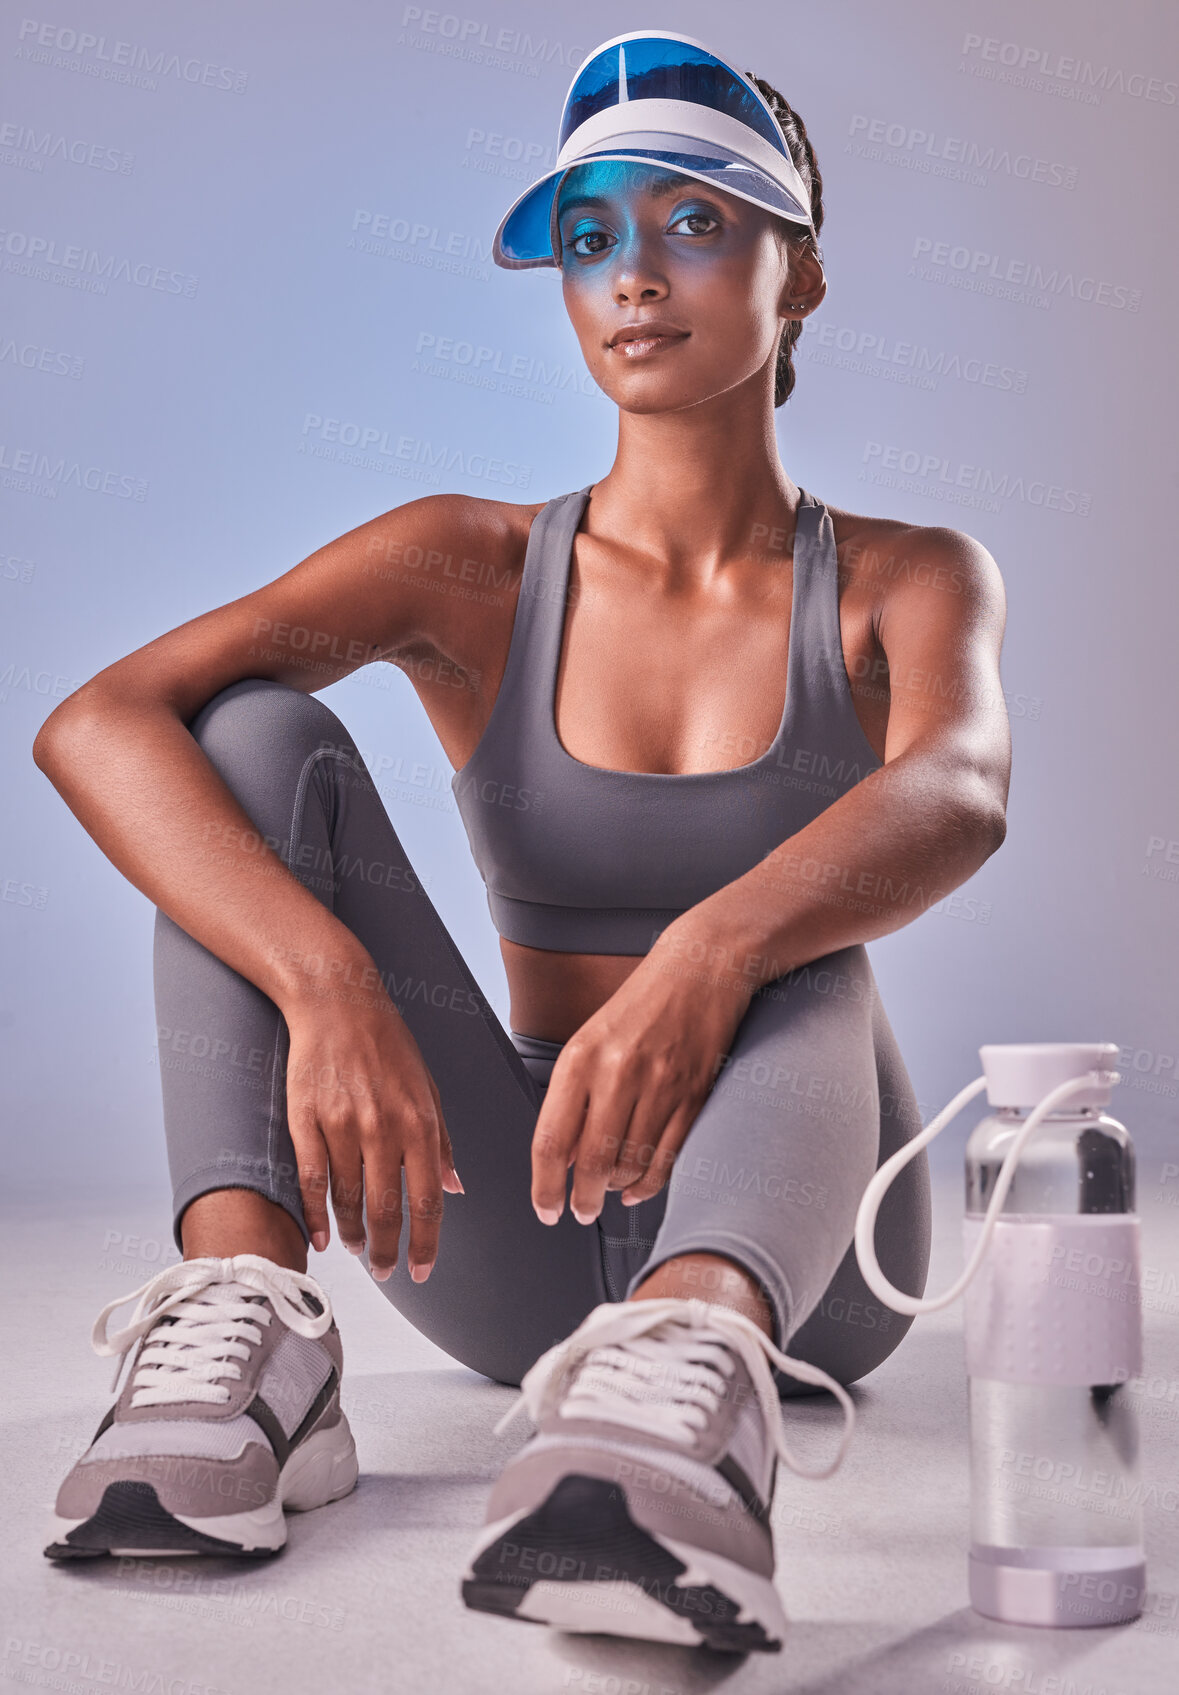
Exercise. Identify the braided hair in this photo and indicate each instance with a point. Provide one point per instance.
(792, 236)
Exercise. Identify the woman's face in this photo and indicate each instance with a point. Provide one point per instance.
(638, 242)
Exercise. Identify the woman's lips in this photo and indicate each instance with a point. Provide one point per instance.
(640, 349)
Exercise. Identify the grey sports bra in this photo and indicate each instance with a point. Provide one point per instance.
(581, 859)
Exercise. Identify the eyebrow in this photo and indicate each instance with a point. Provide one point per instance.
(577, 200)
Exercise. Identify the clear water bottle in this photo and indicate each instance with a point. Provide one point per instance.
(1053, 1332)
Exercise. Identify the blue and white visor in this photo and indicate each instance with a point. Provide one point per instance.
(659, 99)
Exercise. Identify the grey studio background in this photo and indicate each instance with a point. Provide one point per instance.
(248, 304)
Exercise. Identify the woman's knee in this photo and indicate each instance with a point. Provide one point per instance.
(259, 711)
(271, 743)
(278, 751)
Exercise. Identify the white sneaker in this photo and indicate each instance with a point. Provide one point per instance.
(641, 1506)
(229, 1414)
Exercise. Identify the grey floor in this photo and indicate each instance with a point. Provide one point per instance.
(365, 1597)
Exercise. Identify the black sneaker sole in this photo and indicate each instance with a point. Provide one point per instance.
(590, 1515)
(130, 1516)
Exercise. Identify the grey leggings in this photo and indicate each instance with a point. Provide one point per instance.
(812, 1097)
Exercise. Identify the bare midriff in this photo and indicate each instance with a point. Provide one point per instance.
(552, 994)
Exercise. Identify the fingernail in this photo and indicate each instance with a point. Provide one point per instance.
(458, 1180)
(584, 1217)
(356, 1248)
(548, 1215)
(319, 1240)
(419, 1273)
(630, 1200)
(383, 1274)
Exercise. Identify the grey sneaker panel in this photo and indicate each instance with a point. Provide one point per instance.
(296, 1371)
(210, 1438)
(752, 1446)
(194, 1488)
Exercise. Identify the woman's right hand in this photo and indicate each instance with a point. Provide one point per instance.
(361, 1104)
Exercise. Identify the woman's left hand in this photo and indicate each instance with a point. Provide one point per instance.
(628, 1084)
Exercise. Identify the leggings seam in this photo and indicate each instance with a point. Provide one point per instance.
(272, 1187)
(264, 1183)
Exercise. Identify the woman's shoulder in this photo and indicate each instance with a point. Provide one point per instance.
(451, 544)
(878, 554)
(457, 559)
(470, 523)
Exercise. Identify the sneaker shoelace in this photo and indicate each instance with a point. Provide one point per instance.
(665, 1365)
(197, 1319)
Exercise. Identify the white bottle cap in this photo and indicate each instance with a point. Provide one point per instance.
(1020, 1074)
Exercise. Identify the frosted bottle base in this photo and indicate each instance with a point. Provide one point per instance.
(1071, 1588)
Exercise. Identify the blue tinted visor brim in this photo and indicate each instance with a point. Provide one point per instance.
(524, 237)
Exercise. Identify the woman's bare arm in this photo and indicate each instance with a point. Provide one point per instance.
(361, 1103)
(910, 832)
(119, 753)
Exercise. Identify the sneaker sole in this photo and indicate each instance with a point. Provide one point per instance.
(131, 1521)
(537, 1567)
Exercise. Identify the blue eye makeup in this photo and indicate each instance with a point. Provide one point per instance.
(682, 216)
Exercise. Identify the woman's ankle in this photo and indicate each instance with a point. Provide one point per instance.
(223, 1222)
(709, 1277)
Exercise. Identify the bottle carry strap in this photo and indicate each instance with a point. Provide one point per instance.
(865, 1236)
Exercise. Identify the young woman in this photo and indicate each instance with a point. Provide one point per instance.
(712, 736)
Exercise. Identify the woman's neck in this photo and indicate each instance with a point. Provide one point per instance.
(691, 491)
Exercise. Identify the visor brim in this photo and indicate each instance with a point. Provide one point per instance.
(523, 240)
